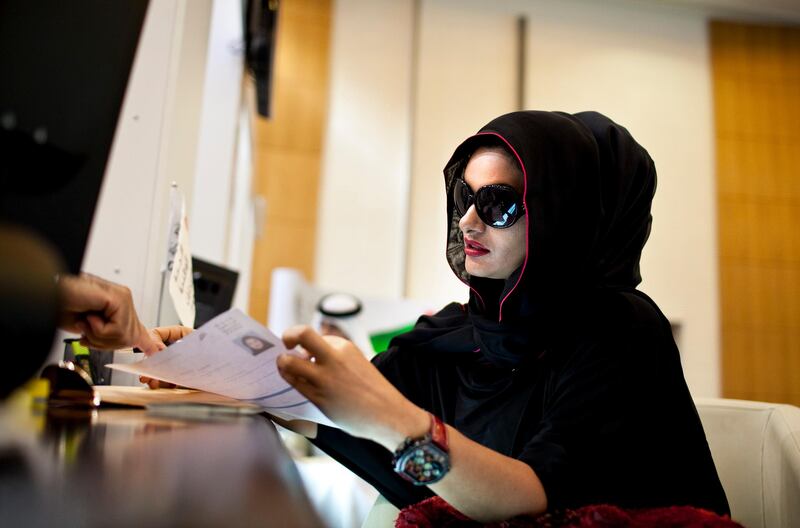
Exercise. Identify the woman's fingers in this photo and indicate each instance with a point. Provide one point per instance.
(302, 385)
(296, 371)
(311, 341)
(293, 369)
(156, 384)
(171, 334)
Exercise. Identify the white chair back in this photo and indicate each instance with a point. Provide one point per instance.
(756, 448)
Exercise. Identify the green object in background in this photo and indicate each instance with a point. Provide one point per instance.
(380, 342)
(78, 349)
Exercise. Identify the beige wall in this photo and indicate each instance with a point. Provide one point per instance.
(465, 76)
(648, 69)
(361, 230)
(645, 65)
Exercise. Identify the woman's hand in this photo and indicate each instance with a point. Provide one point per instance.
(339, 380)
(164, 336)
(482, 484)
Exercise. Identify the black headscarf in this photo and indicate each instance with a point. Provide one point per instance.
(588, 187)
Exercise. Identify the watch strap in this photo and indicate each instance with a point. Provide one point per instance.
(438, 433)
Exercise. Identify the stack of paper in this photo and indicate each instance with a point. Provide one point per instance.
(234, 356)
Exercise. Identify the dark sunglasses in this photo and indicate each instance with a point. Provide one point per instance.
(497, 205)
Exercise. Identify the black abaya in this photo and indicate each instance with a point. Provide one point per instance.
(565, 365)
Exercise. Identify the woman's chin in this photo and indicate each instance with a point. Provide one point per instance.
(477, 269)
(485, 271)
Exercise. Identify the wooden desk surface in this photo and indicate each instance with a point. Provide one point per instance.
(119, 468)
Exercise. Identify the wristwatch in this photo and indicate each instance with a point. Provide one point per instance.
(424, 460)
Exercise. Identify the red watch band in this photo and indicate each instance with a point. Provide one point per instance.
(439, 433)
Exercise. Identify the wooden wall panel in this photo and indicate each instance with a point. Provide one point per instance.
(287, 148)
(756, 73)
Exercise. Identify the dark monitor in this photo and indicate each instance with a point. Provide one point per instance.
(260, 34)
(214, 287)
(64, 67)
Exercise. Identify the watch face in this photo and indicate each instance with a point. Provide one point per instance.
(423, 464)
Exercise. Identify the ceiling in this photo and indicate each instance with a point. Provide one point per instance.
(764, 10)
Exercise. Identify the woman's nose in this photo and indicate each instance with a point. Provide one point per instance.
(470, 222)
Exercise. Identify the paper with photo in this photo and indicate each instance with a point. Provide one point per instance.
(232, 355)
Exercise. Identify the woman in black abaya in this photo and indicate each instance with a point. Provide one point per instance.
(560, 382)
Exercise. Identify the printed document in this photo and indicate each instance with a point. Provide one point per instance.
(232, 355)
(181, 285)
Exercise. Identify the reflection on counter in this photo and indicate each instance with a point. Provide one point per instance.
(74, 466)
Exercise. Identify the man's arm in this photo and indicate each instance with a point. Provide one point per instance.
(103, 313)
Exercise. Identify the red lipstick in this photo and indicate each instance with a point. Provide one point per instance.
(473, 249)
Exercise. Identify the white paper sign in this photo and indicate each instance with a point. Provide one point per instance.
(175, 218)
(232, 355)
(181, 280)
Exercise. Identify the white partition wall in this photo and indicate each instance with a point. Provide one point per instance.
(361, 229)
(127, 242)
(242, 232)
(219, 110)
(129, 227)
(179, 122)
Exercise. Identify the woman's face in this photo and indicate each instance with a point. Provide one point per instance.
(490, 252)
(254, 343)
